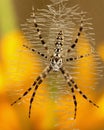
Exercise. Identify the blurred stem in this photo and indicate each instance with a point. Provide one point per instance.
(7, 17)
(7, 25)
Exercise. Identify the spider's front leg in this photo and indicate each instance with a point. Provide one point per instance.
(83, 95)
(36, 83)
(40, 80)
(71, 82)
(27, 91)
(68, 79)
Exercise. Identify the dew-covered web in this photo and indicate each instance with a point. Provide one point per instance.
(57, 16)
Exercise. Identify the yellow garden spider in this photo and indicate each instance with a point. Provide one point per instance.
(56, 60)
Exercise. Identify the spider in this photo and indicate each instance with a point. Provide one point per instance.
(56, 64)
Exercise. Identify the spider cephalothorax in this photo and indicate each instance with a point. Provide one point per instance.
(56, 63)
(57, 58)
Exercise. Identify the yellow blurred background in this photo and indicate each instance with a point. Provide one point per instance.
(13, 12)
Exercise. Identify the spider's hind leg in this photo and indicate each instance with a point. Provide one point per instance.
(38, 30)
(78, 34)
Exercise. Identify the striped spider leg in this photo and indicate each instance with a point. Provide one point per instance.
(34, 50)
(79, 57)
(35, 85)
(38, 31)
(40, 37)
(71, 48)
(78, 34)
(68, 79)
(40, 80)
(73, 85)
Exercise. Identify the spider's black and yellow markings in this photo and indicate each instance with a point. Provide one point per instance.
(56, 64)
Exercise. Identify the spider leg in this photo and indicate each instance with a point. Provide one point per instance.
(76, 87)
(78, 35)
(38, 30)
(42, 76)
(34, 50)
(27, 91)
(81, 93)
(70, 81)
(67, 78)
(78, 57)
